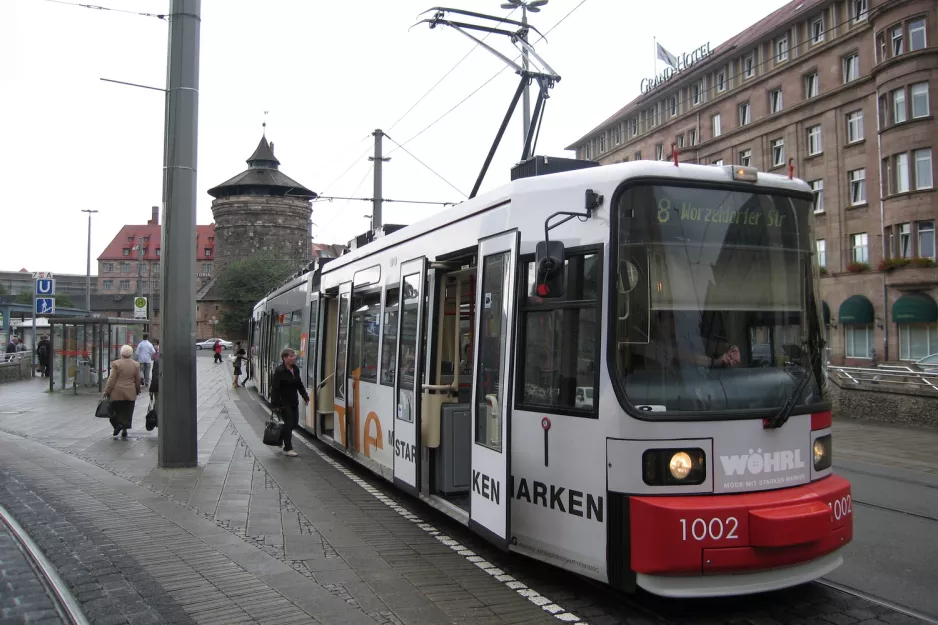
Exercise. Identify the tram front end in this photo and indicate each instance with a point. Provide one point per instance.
(716, 359)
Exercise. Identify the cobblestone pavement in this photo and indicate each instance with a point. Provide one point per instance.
(898, 446)
(23, 595)
(252, 536)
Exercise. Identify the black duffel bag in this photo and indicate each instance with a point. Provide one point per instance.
(273, 431)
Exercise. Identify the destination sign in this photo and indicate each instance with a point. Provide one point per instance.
(653, 214)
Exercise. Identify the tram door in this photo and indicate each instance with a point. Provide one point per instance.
(490, 503)
(407, 383)
(342, 404)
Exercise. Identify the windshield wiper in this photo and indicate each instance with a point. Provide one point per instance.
(782, 417)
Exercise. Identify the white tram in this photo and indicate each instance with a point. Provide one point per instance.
(651, 415)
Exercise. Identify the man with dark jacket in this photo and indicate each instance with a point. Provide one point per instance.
(284, 388)
(42, 352)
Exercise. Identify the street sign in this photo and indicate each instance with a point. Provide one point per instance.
(45, 305)
(140, 308)
(45, 287)
(42, 275)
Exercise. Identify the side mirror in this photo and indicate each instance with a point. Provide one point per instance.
(549, 267)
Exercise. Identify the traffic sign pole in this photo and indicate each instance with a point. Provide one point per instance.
(44, 285)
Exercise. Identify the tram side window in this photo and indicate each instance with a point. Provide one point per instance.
(365, 333)
(389, 347)
(560, 338)
(313, 343)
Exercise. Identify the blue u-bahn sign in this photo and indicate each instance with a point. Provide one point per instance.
(45, 287)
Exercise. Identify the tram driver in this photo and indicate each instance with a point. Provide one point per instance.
(676, 343)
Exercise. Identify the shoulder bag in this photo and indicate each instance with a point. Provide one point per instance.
(151, 418)
(273, 431)
(104, 409)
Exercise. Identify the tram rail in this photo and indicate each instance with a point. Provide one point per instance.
(855, 592)
(56, 589)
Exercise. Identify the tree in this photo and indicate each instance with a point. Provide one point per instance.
(244, 282)
(3, 290)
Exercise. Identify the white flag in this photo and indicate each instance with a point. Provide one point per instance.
(667, 57)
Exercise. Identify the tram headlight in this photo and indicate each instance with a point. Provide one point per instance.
(680, 465)
(672, 467)
(822, 452)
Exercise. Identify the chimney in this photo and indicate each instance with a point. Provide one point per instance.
(271, 147)
(155, 221)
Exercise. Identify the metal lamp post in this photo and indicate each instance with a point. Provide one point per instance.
(88, 269)
(534, 7)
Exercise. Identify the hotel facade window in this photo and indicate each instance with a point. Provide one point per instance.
(775, 100)
(857, 180)
(814, 141)
(854, 126)
(818, 187)
(923, 169)
(859, 244)
(778, 152)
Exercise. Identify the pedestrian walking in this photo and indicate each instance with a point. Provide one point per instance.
(154, 385)
(123, 386)
(286, 385)
(42, 353)
(239, 356)
(217, 349)
(144, 354)
(11, 346)
(20, 345)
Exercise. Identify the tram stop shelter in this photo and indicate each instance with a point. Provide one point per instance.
(84, 347)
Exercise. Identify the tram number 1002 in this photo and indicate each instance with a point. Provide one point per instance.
(842, 507)
(714, 529)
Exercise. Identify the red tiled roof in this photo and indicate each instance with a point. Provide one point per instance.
(796, 10)
(128, 235)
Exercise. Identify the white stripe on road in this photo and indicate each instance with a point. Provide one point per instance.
(501, 576)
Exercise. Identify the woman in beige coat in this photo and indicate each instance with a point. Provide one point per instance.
(123, 386)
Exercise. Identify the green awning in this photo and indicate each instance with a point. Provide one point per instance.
(856, 310)
(826, 311)
(915, 308)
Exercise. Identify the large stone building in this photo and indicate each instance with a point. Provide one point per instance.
(262, 208)
(842, 91)
(259, 209)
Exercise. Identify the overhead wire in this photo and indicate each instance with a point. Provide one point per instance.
(349, 168)
(357, 187)
(434, 172)
(161, 16)
(483, 85)
(451, 70)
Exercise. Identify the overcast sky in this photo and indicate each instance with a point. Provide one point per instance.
(328, 72)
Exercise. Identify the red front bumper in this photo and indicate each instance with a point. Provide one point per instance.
(746, 532)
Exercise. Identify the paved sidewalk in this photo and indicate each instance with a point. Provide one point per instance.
(247, 536)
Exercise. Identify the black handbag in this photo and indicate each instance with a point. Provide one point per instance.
(151, 418)
(273, 431)
(104, 409)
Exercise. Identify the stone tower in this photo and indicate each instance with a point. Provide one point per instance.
(261, 208)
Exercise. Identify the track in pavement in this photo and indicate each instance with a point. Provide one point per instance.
(31, 587)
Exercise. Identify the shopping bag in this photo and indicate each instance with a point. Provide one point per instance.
(151, 418)
(273, 431)
(104, 411)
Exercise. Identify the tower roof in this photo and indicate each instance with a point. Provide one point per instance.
(264, 154)
(262, 177)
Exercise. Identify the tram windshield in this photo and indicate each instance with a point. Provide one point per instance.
(714, 301)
